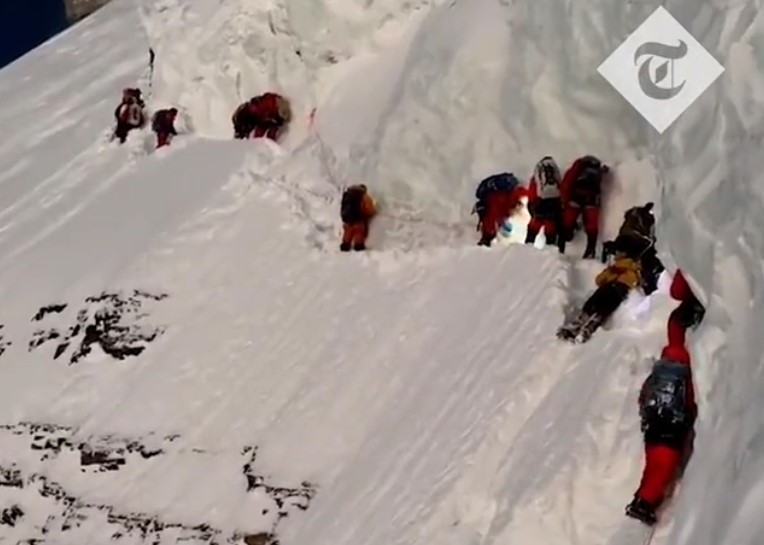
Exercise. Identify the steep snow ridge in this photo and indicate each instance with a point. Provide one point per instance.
(59, 106)
(128, 205)
(69, 85)
(421, 393)
(211, 56)
(418, 100)
(489, 86)
(424, 418)
(712, 218)
(467, 92)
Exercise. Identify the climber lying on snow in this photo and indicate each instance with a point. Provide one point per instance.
(667, 409)
(636, 239)
(613, 287)
(667, 412)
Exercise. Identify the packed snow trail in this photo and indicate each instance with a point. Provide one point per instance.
(400, 395)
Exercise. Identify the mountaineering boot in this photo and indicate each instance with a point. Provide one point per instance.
(570, 329)
(359, 247)
(562, 240)
(591, 246)
(590, 324)
(345, 247)
(641, 510)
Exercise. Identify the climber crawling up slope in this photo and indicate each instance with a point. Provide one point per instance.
(263, 116)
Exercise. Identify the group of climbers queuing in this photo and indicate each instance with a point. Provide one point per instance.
(667, 405)
(263, 116)
(131, 114)
(555, 202)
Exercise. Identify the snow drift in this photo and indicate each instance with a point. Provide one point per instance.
(186, 356)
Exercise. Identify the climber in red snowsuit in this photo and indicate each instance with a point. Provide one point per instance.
(581, 195)
(667, 408)
(263, 116)
(688, 314)
(163, 124)
(498, 207)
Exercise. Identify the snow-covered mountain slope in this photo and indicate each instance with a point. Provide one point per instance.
(711, 166)
(185, 355)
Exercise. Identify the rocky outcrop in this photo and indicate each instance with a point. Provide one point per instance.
(78, 9)
(43, 451)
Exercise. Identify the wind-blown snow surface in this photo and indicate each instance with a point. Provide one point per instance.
(413, 394)
(713, 208)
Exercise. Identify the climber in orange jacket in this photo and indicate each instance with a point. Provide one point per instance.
(356, 210)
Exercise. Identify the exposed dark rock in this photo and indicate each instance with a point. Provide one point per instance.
(3, 343)
(11, 515)
(110, 453)
(79, 9)
(262, 538)
(11, 476)
(50, 309)
(299, 497)
(113, 321)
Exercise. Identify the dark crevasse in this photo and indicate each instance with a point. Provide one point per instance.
(25, 25)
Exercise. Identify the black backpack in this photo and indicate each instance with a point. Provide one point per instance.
(350, 207)
(664, 405)
(585, 189)
(506, 181)
(158, 121)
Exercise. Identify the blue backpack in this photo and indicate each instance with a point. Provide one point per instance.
(664, 408)
(506, 181)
